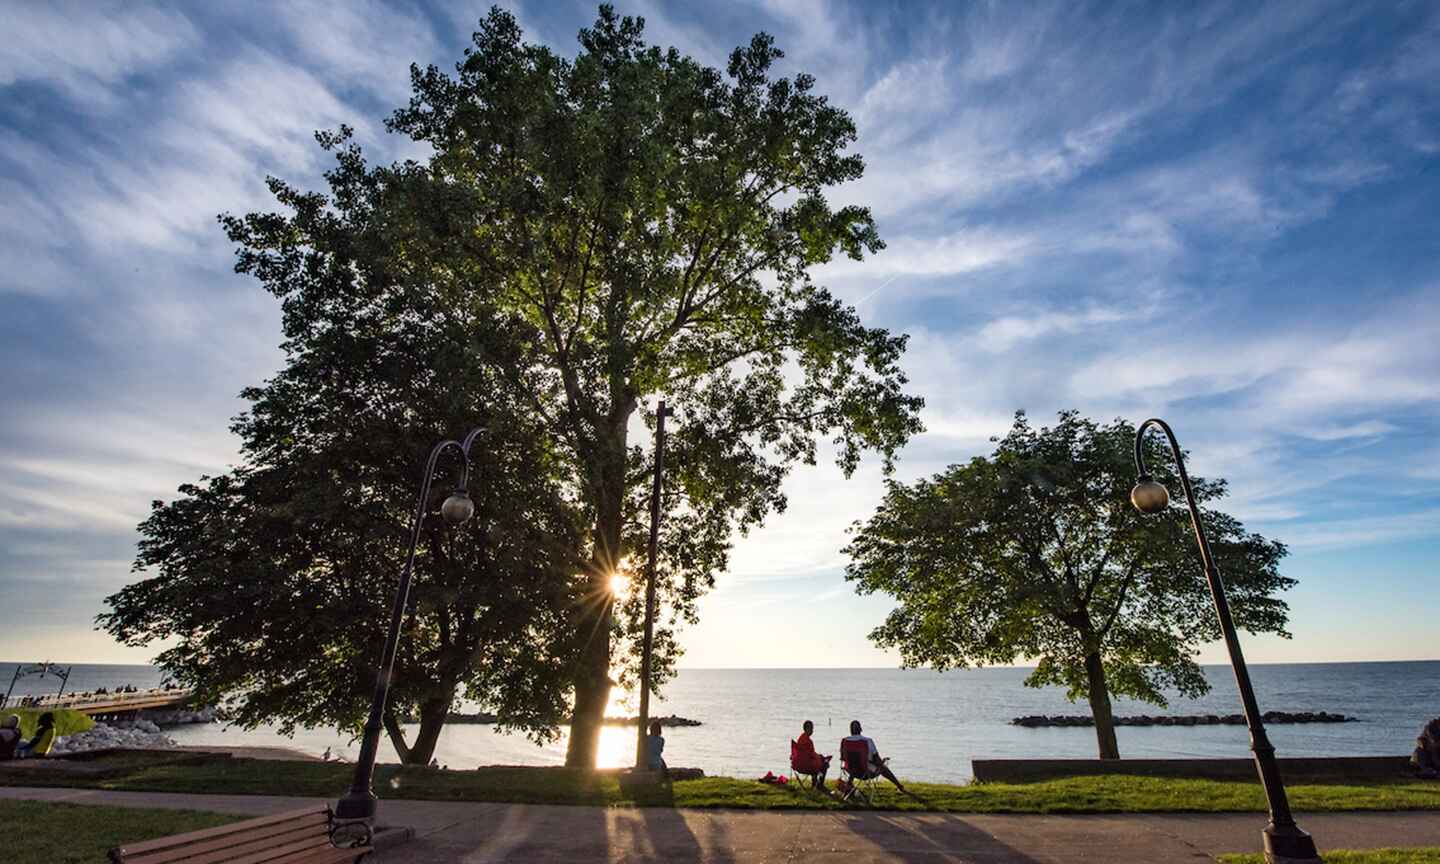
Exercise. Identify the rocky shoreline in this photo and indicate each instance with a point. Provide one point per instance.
(482, 718)
(139, 735)
(667, 722)
(1037, 721)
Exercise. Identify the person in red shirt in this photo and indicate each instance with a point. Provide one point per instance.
(806, 760)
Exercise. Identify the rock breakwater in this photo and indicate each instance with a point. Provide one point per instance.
(672, 720)
(1035, 721)
(140, 735)
(482, 718)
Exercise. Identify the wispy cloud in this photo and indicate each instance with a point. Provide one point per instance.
(86, 49)
(1216, 213)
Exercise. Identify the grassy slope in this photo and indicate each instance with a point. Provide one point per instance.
(43, 832)
(567, 786)
(1363, 856)
(67, 720)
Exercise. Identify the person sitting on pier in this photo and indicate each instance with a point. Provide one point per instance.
(42, 742)
(877, 765)
(804, 759)
(655, 748)
(9, 736)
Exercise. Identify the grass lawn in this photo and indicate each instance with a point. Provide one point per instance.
(67, 720)
(42, 832)
(1429, 855)
(1111, 794)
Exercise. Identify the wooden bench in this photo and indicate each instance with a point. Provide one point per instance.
(297, 837)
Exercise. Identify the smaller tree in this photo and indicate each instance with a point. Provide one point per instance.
(1036, 553)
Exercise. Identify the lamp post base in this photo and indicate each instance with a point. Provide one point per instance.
(1288, 846)
(361, 806)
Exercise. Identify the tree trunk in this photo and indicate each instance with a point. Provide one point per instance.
(433, 714)
(397, 736)
(592, 680)
(1100, 707)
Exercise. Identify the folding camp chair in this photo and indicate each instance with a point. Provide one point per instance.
(805, 775)
(857, 775)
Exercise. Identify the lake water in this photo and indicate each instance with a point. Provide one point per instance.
(930, 724)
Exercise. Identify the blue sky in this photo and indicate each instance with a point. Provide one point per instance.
(1225, 214)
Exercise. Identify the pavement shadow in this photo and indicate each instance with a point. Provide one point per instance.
(501, 833)
(657, 832)
(933, 838)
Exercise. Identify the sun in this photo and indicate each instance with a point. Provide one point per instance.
(618, 583)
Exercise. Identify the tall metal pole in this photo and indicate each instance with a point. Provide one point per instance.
(13, 679)
(648, 646)
(1284, 840)
(359, 802)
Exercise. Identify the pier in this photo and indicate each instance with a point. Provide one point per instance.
(109, 704)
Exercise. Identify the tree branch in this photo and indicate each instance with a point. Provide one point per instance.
(1120, 600)
(397, 736)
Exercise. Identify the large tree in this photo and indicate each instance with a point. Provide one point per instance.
(654, 222)
(1035, 553)
(275, 578)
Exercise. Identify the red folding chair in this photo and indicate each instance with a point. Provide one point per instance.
(806, 777)
(856, 773)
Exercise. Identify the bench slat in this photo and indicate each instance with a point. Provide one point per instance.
(266, 854)
(124, 853)
(329, 856)
(237, 843)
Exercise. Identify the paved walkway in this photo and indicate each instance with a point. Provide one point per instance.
(452, 831)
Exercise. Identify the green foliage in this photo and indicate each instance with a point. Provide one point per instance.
(51, 832)
(68, 721)
(275, 579)
(1036, 553)
(636, 225)
(1097, 794)
(652, 220)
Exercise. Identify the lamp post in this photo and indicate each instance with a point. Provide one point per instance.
(41, 669)
(648, 645)
(1284, 841)
(359, 802)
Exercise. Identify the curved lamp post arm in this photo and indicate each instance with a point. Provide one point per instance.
(1200, 539)
(359, 802)
(1284, 840)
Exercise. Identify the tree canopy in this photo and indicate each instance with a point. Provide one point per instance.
(1035, 553)
(275, 577)
(654, 221)
(587, 235)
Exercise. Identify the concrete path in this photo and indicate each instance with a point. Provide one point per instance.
(449, 831)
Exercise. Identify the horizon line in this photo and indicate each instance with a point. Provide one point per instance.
(845, 668)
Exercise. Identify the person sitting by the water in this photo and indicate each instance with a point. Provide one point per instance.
(804, 759)
(9, 736)
(655, 748)
(42, 742)
(877, 764)
(1426, 758)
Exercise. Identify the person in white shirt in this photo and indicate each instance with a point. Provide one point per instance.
(877, 764)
